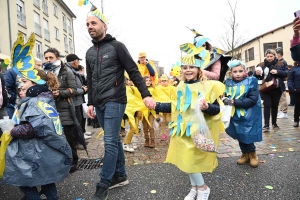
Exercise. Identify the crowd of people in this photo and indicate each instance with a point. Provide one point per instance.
(44, 102)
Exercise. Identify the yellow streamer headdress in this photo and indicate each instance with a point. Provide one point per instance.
(176, 69)
(23, 59)
(97, 13)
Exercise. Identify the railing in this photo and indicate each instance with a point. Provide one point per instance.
(47, 34)
(36, 2)
(37, 29)
(45, 8)
(39, 55)
(69, 30)
(65, 26)
(66, 48)
(21, 18)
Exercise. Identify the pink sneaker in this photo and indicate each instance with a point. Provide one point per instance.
(164, 137)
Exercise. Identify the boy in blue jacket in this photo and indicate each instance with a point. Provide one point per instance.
(246, 118)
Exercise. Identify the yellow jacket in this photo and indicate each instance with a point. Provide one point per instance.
(145, 72)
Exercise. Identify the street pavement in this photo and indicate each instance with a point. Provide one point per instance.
(151, 178)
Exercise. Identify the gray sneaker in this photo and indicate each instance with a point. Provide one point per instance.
(118, 181)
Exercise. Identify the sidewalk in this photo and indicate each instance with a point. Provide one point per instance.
(286, 139)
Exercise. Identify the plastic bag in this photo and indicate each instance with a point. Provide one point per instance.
(6, 125)
(157, 122)
(226, 115)
(202, 137)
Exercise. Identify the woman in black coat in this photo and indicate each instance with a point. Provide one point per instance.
(271, 68)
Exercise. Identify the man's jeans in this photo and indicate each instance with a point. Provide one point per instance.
(110, 116)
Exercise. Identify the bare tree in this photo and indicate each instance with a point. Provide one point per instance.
(231, 40)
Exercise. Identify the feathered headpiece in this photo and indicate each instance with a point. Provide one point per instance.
(23, 59)
(97, 13)
(235, 63)
(176, 68)
(196, 56)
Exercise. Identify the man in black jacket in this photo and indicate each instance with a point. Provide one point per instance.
(106, 61)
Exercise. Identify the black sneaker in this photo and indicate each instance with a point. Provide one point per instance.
(266, 128)
(101, 192)
(118, 181)
(275, 126)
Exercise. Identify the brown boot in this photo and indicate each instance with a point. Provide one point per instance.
(146, 143)
(243, 159)
(253, 159)
(152, 143)
(152, 138)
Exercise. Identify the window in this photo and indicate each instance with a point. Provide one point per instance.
(21, 13)
(46, 30)
(69, 27)
(71, 46)
(66, 44)
(251, 53)
(46, 47)
(36, 3)
(55, 10)
(45, 7)
(64, 22)
(38, 48)
(246, 56)
(238, 56)
(272, 45)
(37, 25)
(56, 31)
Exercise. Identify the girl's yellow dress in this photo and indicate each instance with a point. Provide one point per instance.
(182, 151)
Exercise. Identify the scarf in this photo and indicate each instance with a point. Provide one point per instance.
(53, 67)
(35, 90)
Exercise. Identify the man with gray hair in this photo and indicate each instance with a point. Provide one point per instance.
(73, 62)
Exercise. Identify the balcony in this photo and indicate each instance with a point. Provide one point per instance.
(21, 18)
(45, 9)
(47, 35)
(69, 30)
(66, 48)
(65, 26)
(37, 29)
(39, 55)
(36, 3)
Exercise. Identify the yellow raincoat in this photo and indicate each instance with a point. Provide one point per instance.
(182, 151)
(145, 72)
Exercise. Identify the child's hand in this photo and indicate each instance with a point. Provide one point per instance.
(203, 105)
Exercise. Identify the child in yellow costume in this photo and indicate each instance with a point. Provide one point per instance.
(164, 93)
(182, 151)
(148, 118)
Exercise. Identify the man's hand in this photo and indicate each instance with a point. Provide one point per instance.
(85, 88)
(90, 112)
(203, 105)
(296, 26)
(149, 103)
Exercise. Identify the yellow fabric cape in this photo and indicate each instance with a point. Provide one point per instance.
(182, 151)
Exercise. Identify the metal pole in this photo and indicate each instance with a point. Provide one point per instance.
(102, 6)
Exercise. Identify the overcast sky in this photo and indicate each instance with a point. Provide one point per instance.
(158, 27)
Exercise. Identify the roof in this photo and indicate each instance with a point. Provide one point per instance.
(271, 31)
(64, 5)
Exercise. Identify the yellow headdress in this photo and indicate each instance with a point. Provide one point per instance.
(97, 13)
(23, 59)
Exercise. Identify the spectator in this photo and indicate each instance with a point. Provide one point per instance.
(147, 68)
(10, 77)
(270, 69)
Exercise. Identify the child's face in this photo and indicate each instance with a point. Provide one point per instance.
(26, 83)
(190, 72)
(164, 83)
(129, 82)
(22, 93)
(148, 82)
(238, 72)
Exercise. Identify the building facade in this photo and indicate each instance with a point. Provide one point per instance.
(50, 20)
(253, 51)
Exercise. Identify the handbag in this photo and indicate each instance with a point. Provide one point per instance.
(268, 85)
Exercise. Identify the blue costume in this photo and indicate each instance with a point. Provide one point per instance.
(43, 158)
(246, 121)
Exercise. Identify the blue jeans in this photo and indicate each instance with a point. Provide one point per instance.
(110, 116)
(31, 193)
(247, 148)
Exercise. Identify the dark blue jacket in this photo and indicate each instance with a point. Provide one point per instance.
(10, 77)
(295, 52)
(294, 79)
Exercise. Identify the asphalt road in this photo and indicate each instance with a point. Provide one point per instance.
(229, 181)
